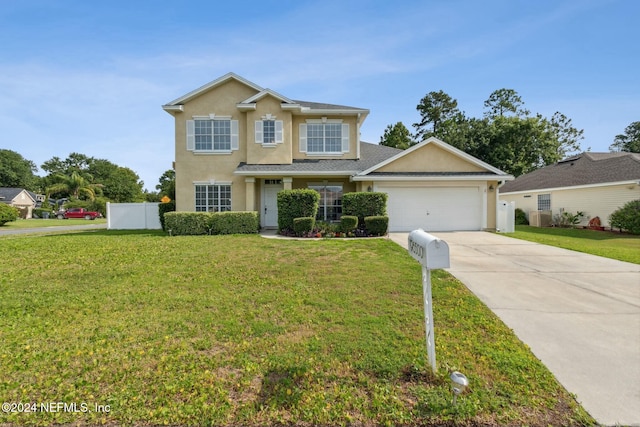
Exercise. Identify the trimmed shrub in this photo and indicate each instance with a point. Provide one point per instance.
(7, 213)
(521, 217)
(235, 222)
(348, 223)
(163, 208)
(303, 225)
(188, 223)
(627, 217)
(362, 205)
(376, 225)
(296, 204)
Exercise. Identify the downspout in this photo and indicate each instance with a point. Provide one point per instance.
(358, 136)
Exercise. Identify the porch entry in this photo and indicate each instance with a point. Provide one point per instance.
(269, 214)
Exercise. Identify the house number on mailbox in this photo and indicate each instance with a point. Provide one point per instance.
(432, 253)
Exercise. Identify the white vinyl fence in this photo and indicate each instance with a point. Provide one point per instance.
(506, 217)
(133, 216)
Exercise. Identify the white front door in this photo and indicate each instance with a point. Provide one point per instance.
(270, 203)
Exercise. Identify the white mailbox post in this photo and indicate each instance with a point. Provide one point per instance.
(432, 253)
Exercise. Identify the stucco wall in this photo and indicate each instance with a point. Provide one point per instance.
(431, 158)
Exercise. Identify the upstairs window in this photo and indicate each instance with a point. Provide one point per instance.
(269, 131)
(212, 135)
(324, 137)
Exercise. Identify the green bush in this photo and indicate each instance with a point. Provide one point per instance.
(362, 205)
(235, 222)
(188, 223)
(198, 223)
(627, 217)
(303, 225)
(376, 225)
(39, 212)
(521, 217)
(296, 204)
(7, 213)
(163, 208)
(348, 223)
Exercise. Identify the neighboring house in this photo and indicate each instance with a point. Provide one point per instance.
(20, 198)
(238, 144)
(594, 183)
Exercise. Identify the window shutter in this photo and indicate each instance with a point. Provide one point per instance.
(279, 132)
(303, 138)
(258, 131)
(345, 138)
(235, 142)
(191, 135)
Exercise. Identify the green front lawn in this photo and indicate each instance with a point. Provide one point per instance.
(243, 330)
(53, 222)
(623, 247)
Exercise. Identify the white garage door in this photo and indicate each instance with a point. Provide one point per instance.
(434, 208)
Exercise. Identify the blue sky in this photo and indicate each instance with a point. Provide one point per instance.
(90, 77)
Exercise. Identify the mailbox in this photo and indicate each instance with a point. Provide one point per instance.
(430, 251)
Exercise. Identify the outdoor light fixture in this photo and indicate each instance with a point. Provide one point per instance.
(459, 383)
(491, 188)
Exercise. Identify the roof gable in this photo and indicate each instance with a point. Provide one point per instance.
(583, 169)
(433, 156)
(173, 105)
(8, 194)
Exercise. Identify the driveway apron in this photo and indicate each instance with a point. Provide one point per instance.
(579, 313)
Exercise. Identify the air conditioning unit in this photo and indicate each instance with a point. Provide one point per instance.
(540, 218)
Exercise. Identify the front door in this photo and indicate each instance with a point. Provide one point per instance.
(270, 191)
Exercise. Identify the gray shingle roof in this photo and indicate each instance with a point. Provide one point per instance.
(583, 169)
(321, 106)
(370, 155)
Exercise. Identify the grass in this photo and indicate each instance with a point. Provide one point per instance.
(41, 223)
(623, 247)
(242, 330)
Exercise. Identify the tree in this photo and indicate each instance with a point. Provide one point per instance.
(116, 183)
(119, 184)
(167, 185)
(629, 141)
(16, 171)
(503, 101)
(565, 134)
(397, 136)
(73, 185)
(435, 108)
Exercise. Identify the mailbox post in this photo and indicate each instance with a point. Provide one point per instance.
(432, 253)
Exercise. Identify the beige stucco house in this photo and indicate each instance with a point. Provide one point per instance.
(238, 144)
(594, 183)
(20, 198)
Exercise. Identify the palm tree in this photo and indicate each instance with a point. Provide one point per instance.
(75, 185)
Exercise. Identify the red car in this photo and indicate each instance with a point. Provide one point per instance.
(78, 213)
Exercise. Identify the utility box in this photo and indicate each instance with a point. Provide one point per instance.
(428, 250)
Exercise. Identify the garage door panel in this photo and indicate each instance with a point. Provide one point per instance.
(434, 208)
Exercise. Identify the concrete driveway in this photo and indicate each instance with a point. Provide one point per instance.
(579, 313)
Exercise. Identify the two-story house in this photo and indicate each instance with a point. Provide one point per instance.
(238, 144)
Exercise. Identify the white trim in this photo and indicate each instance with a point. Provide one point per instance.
(258, 96)
(323, 120)
(425, 178)
(574, 187)
(446, 147)
(294, 173)
(212, 116)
